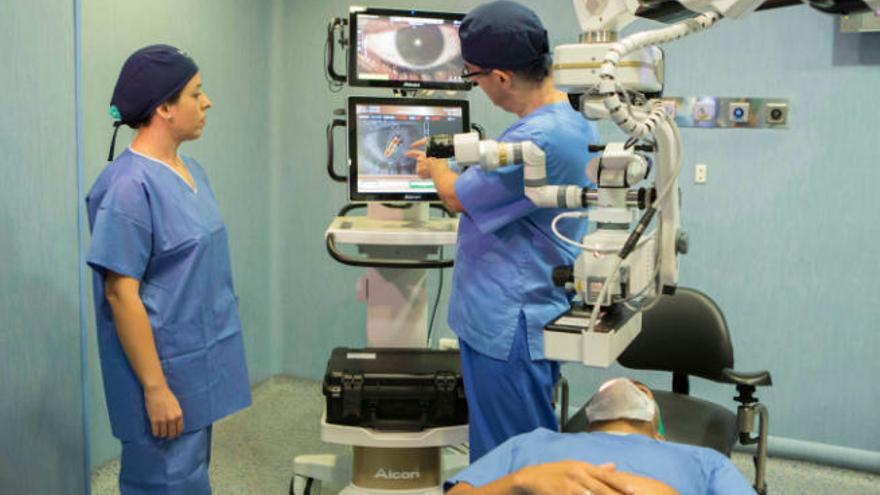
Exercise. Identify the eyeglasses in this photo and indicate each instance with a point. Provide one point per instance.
(481, 72)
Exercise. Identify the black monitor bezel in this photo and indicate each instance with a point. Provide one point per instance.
(353, 101)
(353, 77)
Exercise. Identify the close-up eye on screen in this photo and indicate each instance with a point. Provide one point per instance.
(408, 49)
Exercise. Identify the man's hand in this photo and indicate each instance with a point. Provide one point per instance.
(423, 163)
(166, 417)
(436, 169)
(423, 169)
(571, 478)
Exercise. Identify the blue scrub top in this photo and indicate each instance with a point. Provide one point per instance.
(688, 469)
(506, 249)
(148, 224)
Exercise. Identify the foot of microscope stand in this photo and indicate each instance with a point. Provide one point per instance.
(304, 486)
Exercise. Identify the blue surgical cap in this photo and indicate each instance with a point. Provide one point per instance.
(148, 78)
(504, 35)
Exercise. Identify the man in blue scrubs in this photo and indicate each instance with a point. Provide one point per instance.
(502, 294)
(169, 334)
(623, 433)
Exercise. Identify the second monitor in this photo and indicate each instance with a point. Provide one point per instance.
(381, 130)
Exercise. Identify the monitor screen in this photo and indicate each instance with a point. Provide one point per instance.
(405, 49)
(381, 130)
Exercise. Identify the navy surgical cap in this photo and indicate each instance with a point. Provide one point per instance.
(504, 35)
(148, 78)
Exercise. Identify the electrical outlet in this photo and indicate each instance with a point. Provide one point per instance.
(704, 111)
(700, 173)
(738, 112)
(777, 114)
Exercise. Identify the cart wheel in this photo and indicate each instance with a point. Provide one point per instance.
(300, 485)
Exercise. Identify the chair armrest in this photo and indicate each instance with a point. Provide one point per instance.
(754, 379)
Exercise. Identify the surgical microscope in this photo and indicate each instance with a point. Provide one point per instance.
(624, 266)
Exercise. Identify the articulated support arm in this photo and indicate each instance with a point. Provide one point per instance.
(467, 149)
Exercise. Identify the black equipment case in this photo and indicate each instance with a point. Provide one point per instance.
(394, 389)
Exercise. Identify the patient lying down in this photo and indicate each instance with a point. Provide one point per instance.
(623, 453)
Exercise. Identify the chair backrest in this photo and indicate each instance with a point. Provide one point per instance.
(685, 334)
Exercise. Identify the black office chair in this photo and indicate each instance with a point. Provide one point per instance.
(686, 334)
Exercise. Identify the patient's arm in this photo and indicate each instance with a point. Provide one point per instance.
(567, 478)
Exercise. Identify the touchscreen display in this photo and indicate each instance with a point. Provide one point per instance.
(384, 132)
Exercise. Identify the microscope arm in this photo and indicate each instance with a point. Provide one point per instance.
(469, 150)
(612, 16)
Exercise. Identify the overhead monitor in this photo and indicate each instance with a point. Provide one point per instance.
(381, 130)
(405, 49)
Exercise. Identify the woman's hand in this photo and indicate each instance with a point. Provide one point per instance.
(166, 417)
(136, 337)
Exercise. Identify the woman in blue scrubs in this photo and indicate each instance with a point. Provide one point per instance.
(169, 334)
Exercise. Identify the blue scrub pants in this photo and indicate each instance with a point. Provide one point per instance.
(154, 466)
(506, 398)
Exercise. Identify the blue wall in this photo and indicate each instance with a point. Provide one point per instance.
(41, 409)
(782, 234)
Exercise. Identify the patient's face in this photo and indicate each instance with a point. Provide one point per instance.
(656, 421)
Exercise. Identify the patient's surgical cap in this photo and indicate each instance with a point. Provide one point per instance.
(504, 35)
(148, 78)
(620, 398)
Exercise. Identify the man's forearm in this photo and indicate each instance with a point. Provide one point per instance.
(444, 180)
